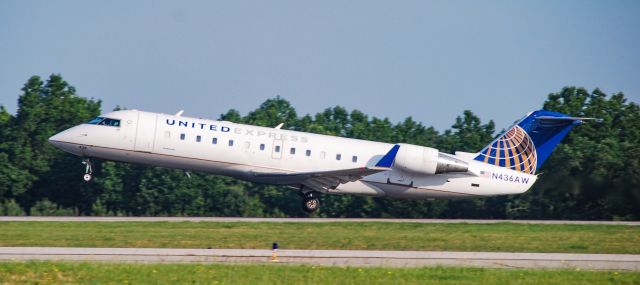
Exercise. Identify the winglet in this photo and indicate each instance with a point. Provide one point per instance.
(387, 159)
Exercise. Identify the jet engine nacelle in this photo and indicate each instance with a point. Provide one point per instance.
(426, 160)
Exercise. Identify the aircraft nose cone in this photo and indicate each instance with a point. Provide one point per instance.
(57, 140)
(64, 136)
(54, 138)
(65, 141)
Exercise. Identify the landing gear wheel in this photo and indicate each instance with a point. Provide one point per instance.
(88, 169)
(310, 205)
(310, 201)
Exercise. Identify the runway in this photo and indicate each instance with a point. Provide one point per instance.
(330, 257)
(304, 220)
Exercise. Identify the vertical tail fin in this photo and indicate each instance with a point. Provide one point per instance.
(526, 145)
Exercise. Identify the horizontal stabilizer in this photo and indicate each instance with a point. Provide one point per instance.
(568, 119)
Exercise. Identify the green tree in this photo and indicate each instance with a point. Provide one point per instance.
(33, 168)
(272, 113)
(591, 174)
(468, 134)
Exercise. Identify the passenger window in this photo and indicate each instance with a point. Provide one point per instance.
(182, 136)
(214, 141)
(247, 145)
(293, 150)
(354, 159)
(167, 134)
(323, 154)
(198, 138)
(261, 146)
(277, 148)
(230, 142)
(308, 152)
(338, 156)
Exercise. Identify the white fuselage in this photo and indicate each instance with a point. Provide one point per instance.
(242, 151)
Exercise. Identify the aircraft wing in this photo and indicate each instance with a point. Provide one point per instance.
(323, 180)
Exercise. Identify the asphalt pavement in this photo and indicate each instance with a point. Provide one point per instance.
(351, 258)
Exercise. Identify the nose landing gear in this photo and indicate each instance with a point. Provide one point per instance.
(88, 169)
(310, 201)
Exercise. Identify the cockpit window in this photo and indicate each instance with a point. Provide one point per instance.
(105, 122)
(95, 121)
(110, 122)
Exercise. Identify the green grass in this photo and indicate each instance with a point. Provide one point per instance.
(119, 273)
(345, 235)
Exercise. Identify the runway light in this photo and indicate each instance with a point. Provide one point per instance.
(274, 251)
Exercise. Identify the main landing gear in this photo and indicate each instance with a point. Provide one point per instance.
(88, 170)
(310, 201)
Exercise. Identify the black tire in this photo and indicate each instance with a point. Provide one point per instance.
(311, 204)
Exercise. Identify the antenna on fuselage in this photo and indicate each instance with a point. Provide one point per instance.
(279, 126)
(179, 113)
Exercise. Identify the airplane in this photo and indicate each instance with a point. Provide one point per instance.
(314, 163)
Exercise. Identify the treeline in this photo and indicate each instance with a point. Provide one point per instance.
(593, 175)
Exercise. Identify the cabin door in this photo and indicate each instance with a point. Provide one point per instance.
(146, 132)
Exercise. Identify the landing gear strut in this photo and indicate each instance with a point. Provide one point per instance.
(310, 201)
(88, 170)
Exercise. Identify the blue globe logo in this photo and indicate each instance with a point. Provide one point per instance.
(513, 150)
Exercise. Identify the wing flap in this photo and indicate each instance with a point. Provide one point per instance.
(324, 180)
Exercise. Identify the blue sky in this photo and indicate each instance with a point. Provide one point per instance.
(426, 59)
